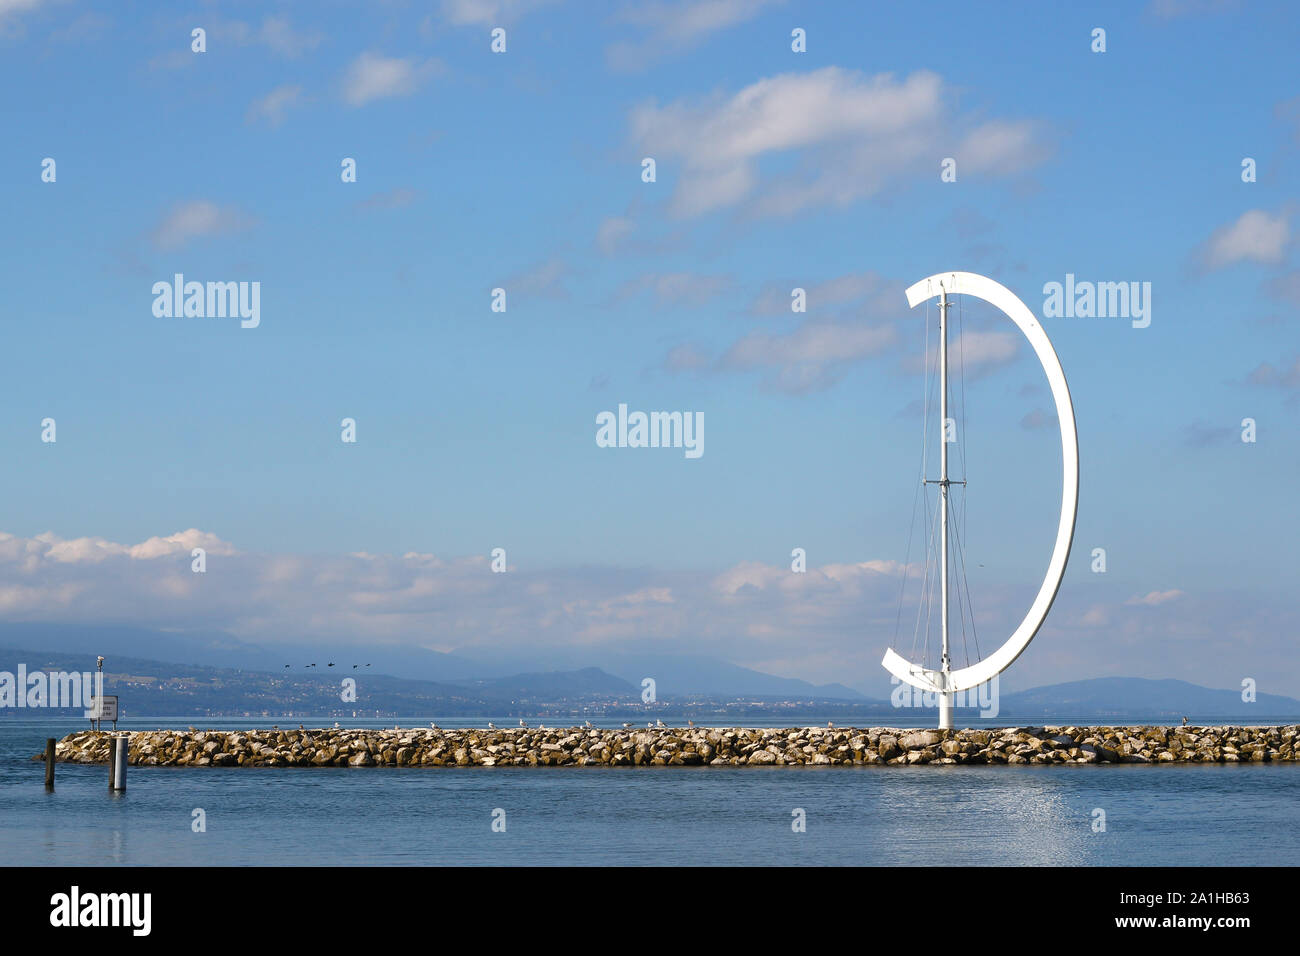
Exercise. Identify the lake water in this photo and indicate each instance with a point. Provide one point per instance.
(1183, 815)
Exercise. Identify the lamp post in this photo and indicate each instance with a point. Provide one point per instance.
(99, 690)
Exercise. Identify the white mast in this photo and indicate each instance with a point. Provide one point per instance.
(945, 695)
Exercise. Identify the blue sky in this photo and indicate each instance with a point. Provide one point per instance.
(522, 170)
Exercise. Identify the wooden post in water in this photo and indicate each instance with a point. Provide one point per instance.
(49, 763)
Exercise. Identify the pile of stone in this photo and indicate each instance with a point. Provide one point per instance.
(715, 747)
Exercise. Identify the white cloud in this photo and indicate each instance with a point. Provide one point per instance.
(613, 231)
(398, 198)
(195, 219)
(867, 291)
(976, 353)
(1155, 598)
(672, 28)
(275, 33)
(372, 77)
(488, 13)
(677, 288)
(811, 357)
(544, 280)
(854, 134)
(832, 622)
(275, 104)
(1256, 236)
(11, 9)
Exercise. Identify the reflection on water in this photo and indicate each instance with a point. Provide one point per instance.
(1179, 815)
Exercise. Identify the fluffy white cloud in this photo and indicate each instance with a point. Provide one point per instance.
(812, 356)
(1256, 236)
(275, 104)
(488, 13)
(373, 77)
(854, 134)
(672, 28)
(196, 219)
(830, 623)
(677, 288)
(1154, 598)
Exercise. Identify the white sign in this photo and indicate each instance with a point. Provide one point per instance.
(103, 708)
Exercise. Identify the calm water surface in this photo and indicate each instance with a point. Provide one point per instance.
(1154, 815)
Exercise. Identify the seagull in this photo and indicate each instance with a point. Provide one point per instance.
(521, 723)
(541, 726)
(432, 725)
(1184, 721)
(336, 725)
(491, 726)
(659, 723)
(690, 723)
(587, 722)
(829, 724)
(300, 727)
(649, 726)
(626, 725)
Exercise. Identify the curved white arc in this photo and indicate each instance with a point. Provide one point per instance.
(999, 296)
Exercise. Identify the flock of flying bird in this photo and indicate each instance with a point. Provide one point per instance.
(330, 664)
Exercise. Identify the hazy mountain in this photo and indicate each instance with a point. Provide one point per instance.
(1138, 696)
(683, 675)
(218, 649)
(675, 675)
(588, 682)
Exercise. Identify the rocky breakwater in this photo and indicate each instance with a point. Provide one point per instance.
(716, 747)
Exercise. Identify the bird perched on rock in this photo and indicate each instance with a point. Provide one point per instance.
(336, 725)
(432, 725)
(300, 727)
(521, 723)
(491, 726)
(587, 722)
(829, 724)
(626, 725)
(1184, 721)
(690, 723)
(659, 723)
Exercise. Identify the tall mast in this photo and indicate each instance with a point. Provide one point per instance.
(945, 696)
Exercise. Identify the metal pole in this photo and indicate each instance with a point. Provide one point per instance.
(112, 763)
(119, 761)
(945, 695)
(49, 763)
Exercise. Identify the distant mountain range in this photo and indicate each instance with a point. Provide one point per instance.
(674, 675)
(1129, 696)
(153, 687)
